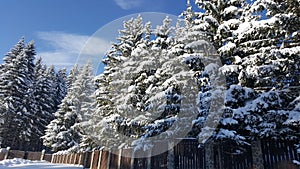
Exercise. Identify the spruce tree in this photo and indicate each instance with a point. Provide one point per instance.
(108, 118)
(72, 76)
(64, 132)
(61, 88)
(270, 45)
(44, 94)
(17, 93)
(7, 95)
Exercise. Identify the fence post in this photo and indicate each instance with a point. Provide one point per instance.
(257, 154)
(61, 159)
(170, 156)
(99, 159)
(70, 159)
(149, 160)
(43, 154)
(220, 154)
(52, 158)
(6, 153)
(81, 159)
(209, 156)
(120, 157)
(92, 158)
(86, 158)
(108, 159)
(75, 158)
(132, 160)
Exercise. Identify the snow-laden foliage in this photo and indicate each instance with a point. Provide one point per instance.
(65, 132)
(157, 81)
(16, 94)
(27, 95)
(139, 95)
(259, 46)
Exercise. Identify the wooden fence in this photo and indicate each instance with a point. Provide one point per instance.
(10, 154)
(187, 155)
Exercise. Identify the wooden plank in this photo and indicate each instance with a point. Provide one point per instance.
(70, 160)
(76, 159)
(104, 159)
(81, 158)
(59, 157)
(34, 155)
(16, 154)
(126, 159)
(53, 159)
(114, 159)
(65, 158)
(56, 159)
(2, 155)
(99, 159)
(95, 159)
(48, 157)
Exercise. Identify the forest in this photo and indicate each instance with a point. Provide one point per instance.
(229, 71)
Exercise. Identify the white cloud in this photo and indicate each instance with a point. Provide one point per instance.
(64, 49)
(128, 4)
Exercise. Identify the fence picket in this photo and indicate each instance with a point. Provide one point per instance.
(126, 159)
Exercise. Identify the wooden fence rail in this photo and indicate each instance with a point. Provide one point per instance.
(185, 155)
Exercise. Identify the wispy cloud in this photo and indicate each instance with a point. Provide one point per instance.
(64, 49)
(128, 4)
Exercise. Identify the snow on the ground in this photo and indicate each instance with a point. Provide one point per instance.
(27, 164)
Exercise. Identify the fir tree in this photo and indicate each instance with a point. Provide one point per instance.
(61, 88)
(72, 76)
(44, 94)
(269, 65)
(64, 132)
(7, 94)
(16, 95)
(108, 119)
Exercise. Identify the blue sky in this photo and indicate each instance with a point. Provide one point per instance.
(61, 27)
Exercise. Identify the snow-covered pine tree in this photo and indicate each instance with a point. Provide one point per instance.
(72, 76)
(52, 138)
(108, 119)
(44, 94)
(8, 82)
(54, 127)
(162, 33)
(17, 94)
(64, 132)
(269, 41)
(138, 73)
(84, 88)
(213, 25)
(30, 106)
(53, 83)
(61, 88)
